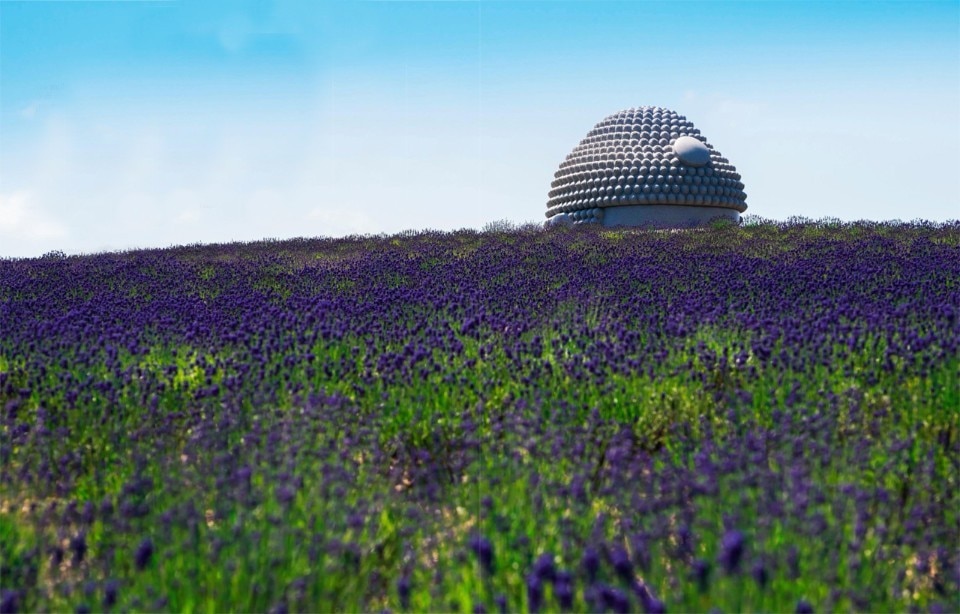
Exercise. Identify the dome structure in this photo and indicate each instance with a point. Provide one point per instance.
(645, 166)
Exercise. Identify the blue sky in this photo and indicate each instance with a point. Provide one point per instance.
(149, 124)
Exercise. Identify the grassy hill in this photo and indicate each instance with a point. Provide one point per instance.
(763, 417)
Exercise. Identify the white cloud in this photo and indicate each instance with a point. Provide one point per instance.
(30, 111)
(22, 219)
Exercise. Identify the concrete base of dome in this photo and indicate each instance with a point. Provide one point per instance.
(669, 216)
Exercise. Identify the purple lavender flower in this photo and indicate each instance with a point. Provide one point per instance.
(544, 567)
(482, 547)
(641, 553)
(141, 558)
(356, 520)
(110, 590)
(8, 601)
(88, 515)
(622, 564)
(731, 551)
(106, 508)
(534, 593)
(285, 494)
(255, 344)
(701, 574)
(590, 563)
(648, 600)
(134, 509)
(615, 599)
(803, 607)
(243, 475)
(654, 606)
(563, 591)
(760, 574)
(78, 545)
(403, 591)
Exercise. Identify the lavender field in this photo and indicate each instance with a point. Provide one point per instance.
(753, 418)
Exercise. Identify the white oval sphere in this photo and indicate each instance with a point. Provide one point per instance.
(691, 151)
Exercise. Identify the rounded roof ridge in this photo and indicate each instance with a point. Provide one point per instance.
(647, 155)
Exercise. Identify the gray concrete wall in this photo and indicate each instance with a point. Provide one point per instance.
(673, 216)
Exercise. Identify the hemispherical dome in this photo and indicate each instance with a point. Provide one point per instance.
(644, 164)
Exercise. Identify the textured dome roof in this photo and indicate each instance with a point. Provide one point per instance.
(643, 156)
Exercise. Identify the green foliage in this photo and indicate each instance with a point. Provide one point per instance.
(530, 397)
